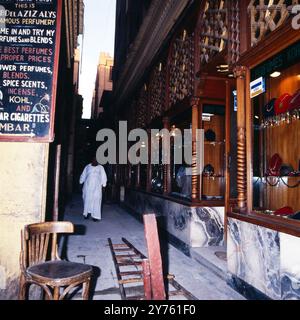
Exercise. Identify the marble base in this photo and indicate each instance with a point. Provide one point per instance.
(169, 238)
(195, 227)
(246, 290)
(290, 267)
(264, 259)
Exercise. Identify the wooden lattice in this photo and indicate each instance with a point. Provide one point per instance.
(131, 115)
(181, 68)
(268, 15)
(214, 29)
(157, 91)
(234, 31)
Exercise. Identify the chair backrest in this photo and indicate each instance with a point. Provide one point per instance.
(36, 239)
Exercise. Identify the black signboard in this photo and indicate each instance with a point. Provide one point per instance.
(279, 62)
(29, 50)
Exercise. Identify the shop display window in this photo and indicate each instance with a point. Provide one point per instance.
(276, 138)
(213, 155)
(181, 179)
(213, 176)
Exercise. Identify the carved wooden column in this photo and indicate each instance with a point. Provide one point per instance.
(149, 166)
(167, 167)
(195, 101)
(200, 126)
(240, 73)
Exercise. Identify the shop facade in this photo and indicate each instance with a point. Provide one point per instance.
(209, 63)
(263, 232)
(188, 85)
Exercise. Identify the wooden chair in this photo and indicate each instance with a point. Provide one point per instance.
(48, 271)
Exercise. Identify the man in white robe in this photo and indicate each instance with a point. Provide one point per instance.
(94, 178)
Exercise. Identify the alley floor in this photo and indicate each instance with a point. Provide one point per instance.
(89, 244)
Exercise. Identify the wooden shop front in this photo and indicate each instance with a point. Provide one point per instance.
(264, 228)
(213, 72)
(189, 86)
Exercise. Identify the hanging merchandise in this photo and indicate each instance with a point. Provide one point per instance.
(282, 104)
(269, 109)
(282, 110)
(294, 174)
(295, 102)
(286, 170)
(274, 166)
(286, 211)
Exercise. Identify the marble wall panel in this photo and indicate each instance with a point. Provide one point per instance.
(196, 227)
(253, 255)
(290, 267)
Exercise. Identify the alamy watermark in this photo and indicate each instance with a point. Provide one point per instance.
(162, 147)
(296, 19)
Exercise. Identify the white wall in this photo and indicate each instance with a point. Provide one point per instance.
(23, 184)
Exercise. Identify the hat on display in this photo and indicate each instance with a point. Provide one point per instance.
(285, 211)
(295, 101)
(269, 108)
(210, 135)
(295, 216)
(294, 174)
(286, 170)
(275, 164)
(282, 103)
(209, 170)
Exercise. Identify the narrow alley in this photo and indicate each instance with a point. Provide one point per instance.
(89, 244)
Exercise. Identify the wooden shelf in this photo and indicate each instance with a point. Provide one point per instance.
(280, 224)
(192, 204)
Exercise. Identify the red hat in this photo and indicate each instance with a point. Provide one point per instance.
(275, 164)
(282, 103)
(286, 211)
(295, 102)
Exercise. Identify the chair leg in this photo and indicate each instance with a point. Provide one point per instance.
(56, 293)
(86, 289)
(46, 296)
(22, 288)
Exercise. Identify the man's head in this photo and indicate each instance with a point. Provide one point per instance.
(94, 162)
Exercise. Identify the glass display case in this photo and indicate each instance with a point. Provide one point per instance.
(213, 177)
(276, 138)
(181, 179)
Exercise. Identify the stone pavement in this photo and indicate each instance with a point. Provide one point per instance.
(90, 245)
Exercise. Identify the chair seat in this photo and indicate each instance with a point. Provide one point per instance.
(60, 272)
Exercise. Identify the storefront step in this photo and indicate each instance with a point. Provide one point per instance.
(213, 259)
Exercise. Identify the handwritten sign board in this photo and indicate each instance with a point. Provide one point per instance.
(29, 51)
